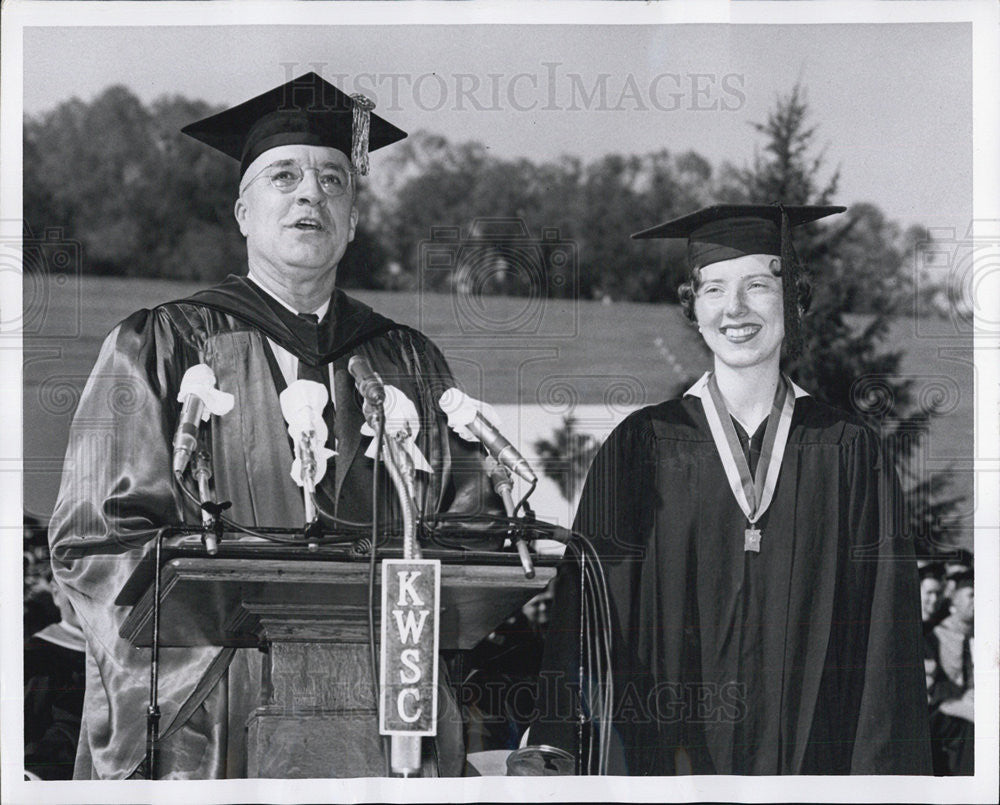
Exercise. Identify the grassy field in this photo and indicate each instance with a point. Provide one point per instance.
(533, 356)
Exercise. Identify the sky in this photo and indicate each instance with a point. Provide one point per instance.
(892, 102)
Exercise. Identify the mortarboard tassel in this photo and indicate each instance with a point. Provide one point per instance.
(790, 269)
(363, 107)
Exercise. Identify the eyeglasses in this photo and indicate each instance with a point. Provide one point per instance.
(285, 176)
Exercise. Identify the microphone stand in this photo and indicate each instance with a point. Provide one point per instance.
(404, 750)
(402, 473)
(203, 474)
(153, 710)
(308, 461)
(503, 484)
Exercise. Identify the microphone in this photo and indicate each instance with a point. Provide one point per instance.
(302, 406)
(498, 446)
(368, 383)
(465, 417)
(199, 399)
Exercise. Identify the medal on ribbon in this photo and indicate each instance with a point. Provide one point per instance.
(753, 492)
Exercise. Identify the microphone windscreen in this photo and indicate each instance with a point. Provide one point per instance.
(302, 403)
(197, 380)
(462, 411)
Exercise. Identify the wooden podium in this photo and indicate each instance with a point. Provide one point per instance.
(315, 715)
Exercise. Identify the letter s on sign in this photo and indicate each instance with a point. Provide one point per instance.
(401, 707)
(410, 657)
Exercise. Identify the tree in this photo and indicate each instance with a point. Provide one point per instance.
(622, 195)
(141, 198)
(566, 456)
(856, 263)
(456, 190)
(467, 219)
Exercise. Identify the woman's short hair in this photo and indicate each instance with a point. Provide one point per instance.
(686, 291)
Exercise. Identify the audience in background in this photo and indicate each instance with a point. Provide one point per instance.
(950, 677)
(931, 583)
(53, 696)
(53, 665)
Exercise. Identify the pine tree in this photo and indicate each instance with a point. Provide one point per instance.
(566, 456)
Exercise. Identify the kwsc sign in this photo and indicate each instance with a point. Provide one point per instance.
(411, 594)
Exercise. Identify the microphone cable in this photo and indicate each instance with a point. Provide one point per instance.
(290, 539)
(596, 692)
(523, 502)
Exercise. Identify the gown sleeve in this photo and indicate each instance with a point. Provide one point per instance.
(116, 488)
(116, 492)
(893, 732)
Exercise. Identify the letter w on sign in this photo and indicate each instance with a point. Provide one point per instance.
(411, 599)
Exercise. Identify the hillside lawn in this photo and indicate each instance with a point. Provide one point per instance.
(536, 359)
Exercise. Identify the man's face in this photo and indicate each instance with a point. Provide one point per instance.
(739, 309)
(302, 230)
(930, 593)
(963, 602)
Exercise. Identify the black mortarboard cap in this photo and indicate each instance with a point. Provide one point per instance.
(726, 231)
(304, 111)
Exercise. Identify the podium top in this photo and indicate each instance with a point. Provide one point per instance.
(249, 593)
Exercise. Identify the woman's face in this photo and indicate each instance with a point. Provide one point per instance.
(739, 310)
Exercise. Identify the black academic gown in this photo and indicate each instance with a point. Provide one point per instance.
(804, 658)
(117, 490)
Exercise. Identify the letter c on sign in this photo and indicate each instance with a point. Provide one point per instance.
(401, 708)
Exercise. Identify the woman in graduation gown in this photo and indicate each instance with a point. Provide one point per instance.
(765, 614)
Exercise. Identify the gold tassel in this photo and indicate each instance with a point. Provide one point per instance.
(359, 132)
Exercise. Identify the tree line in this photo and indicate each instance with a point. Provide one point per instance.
(143, 200)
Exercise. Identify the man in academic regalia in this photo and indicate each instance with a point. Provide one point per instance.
(300, 148)
(765, 614)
